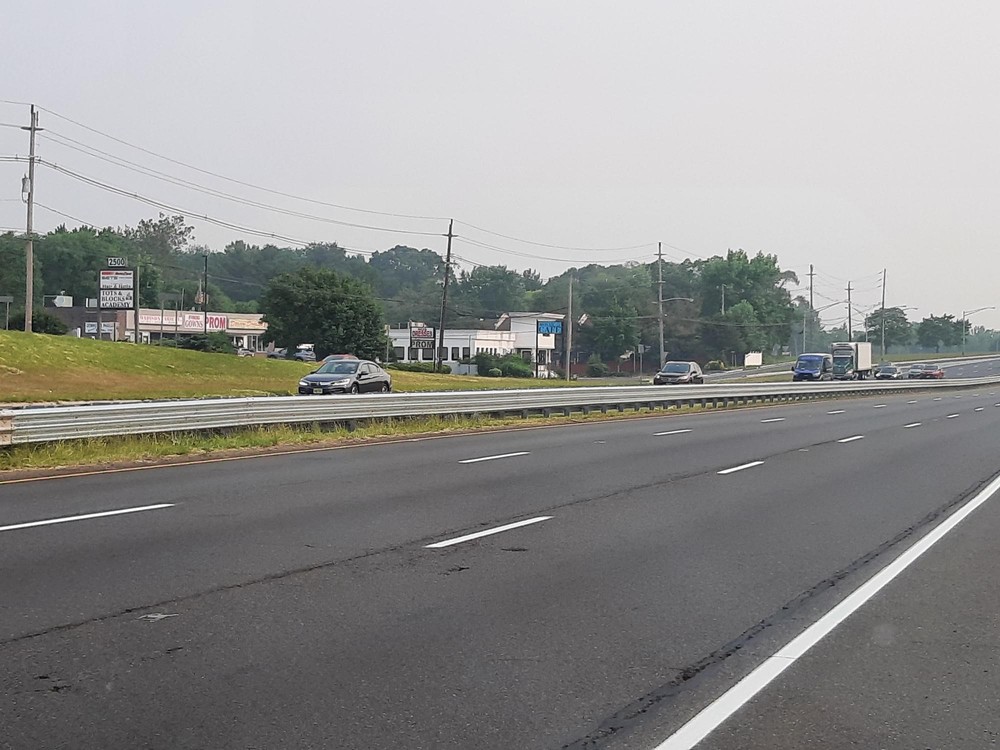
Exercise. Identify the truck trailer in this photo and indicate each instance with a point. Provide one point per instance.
(852, 360)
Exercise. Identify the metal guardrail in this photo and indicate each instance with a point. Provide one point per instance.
(47, 424)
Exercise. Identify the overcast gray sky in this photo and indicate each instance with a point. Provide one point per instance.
(850, 135)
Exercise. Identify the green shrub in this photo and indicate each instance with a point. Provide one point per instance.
(208, 342)
(41, 322)
(596, 368)
(509, 365)
(418, 367)
(494, 372)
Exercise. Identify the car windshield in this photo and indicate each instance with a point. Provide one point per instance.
(810, 363)
(917, 367)
(930, 367)
(676, 367)
(338, 368)
(889, 369)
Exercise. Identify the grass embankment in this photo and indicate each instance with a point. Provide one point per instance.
(40, 368)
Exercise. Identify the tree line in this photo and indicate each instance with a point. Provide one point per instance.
(718, 307)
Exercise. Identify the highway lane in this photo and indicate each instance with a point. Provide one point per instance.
(916, 667)
(234, 522)
(533, 637)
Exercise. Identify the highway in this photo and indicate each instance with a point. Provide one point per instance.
(598, 585)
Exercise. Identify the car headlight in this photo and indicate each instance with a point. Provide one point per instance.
(343, 381)
(304, 383)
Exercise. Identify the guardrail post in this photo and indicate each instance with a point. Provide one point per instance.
(6, 429)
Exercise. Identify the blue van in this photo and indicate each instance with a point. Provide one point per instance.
(813, 367)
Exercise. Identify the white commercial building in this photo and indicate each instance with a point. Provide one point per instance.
(514, 333)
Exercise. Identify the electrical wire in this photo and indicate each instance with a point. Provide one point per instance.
(516, 253)
(236, 181)
(174, 209)
(156, 174)
(554, 247)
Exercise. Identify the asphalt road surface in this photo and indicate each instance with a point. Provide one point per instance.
(638, 570)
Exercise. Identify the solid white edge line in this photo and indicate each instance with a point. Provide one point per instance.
(85, 516)
(911, 402)
(712, 716)
(951, 416)
(837, 411)
(492, 458)
(670, 432)
(879, 406)
(915, 424)
(488, 532)
(775, 419)
(740, 467)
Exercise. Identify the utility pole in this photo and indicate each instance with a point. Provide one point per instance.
(723, 299)
(204, 298)
(850, 319)
(659, 297)
(883, 313)
(444, 298)
(569, 328)
(29, 244)
(812, 273)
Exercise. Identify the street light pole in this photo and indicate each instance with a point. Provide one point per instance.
(663, 353)
(965, 317)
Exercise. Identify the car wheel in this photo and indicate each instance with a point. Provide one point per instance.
(355, 389)
(385, 388)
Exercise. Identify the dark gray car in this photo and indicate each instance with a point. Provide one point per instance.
(346, 376)
(679, 372)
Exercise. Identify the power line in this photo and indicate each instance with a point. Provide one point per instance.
(174, 209)
(179, 182)
(530, 256)
(555, 247)
(236, 181)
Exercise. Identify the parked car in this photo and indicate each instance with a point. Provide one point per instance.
(277, 354)
(346, 376)
(679, 373)
(244, 352)
(889, 372)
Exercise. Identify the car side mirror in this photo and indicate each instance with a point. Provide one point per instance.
(793, 368)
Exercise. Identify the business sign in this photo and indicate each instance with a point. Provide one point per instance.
(547, 327)
(195, 321)
(117, 279)
(117, 262)
(92, 327)
(117, 299)
(421, 337)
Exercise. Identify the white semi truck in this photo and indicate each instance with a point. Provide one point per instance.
(852, 360)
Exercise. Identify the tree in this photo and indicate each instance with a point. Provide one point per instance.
(41, 322)
(898, 330)
(937, 331)
(325, 308)
(489, 291)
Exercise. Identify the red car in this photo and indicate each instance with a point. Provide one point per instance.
(931, 371)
